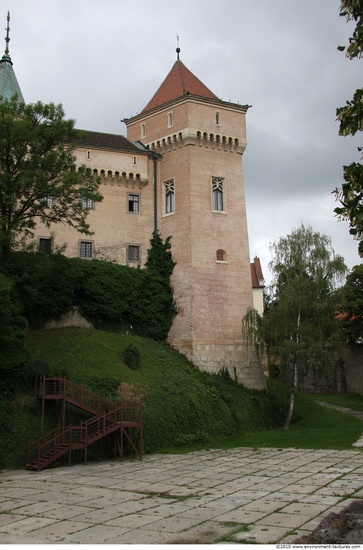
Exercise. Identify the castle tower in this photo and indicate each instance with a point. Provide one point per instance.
(201, 204)
(9, 86)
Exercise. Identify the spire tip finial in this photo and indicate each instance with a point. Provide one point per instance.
(177, 49)
(7, 39)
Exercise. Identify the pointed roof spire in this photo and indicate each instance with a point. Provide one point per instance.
(9, 86)
(179, 82)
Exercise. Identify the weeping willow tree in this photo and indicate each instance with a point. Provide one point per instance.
(300, 326)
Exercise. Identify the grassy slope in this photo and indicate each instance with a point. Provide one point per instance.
(181, 404)
(184, 409)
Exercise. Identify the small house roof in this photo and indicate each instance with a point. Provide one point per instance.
(256, 274)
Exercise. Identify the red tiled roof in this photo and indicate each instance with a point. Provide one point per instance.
(256, 273)
(178, 82)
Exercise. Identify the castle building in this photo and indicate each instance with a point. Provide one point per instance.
(179, 171)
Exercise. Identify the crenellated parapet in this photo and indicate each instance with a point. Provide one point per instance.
(199, 139)
(121, 179)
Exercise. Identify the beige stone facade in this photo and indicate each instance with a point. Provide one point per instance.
(200, 203)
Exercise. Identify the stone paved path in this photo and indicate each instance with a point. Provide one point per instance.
(238, 495)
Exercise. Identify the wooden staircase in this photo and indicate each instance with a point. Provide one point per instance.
(124, 420)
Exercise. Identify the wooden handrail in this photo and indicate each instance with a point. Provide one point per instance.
(117, 416)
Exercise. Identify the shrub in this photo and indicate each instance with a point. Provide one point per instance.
(132, 357)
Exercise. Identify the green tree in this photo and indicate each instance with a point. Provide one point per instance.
(350, 311)
(350, 195)
(301, 326)
(38, 177)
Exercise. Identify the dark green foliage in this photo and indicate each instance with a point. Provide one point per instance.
(160, 260)
(132, 357)
(350, 195)
(112, 297)
(350, 311)
(37, 163)
(44, 285)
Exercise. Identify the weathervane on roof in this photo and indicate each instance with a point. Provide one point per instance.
(7, 39)
(177, 48)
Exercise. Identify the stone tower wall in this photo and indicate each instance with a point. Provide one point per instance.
(212, 296)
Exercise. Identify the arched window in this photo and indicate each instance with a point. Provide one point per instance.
(220, 255)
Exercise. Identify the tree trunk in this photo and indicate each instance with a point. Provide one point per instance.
(294, 386)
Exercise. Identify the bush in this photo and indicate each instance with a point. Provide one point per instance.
(132, 357)
(111, 297)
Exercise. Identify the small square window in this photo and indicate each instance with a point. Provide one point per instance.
(133, 253)
(88, 202)
(134, 203)
(85, 249)
(48, 200)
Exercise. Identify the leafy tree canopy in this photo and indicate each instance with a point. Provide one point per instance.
(350, 311)
(38, 177)
(351, 121)
(300, 327)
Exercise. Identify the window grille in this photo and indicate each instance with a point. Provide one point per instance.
(133, 253)
(85, 249)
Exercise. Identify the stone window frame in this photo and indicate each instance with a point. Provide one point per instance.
(134, 202)
(131, 248)
(221, 256)
(169, 197)
(45, 245)
(88, 202)
(143, 129)
(85, 249)
(170, 119)
(218, 195)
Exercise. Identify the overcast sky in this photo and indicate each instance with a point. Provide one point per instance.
(104, 60)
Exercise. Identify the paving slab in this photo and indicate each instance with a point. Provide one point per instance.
(264, 496)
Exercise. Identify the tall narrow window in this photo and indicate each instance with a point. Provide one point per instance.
(143, 130)
(170, 120)
(169, 196)
(218, 118)
(134, 203)
(217, 194)
(85, 249)
(220, 256)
